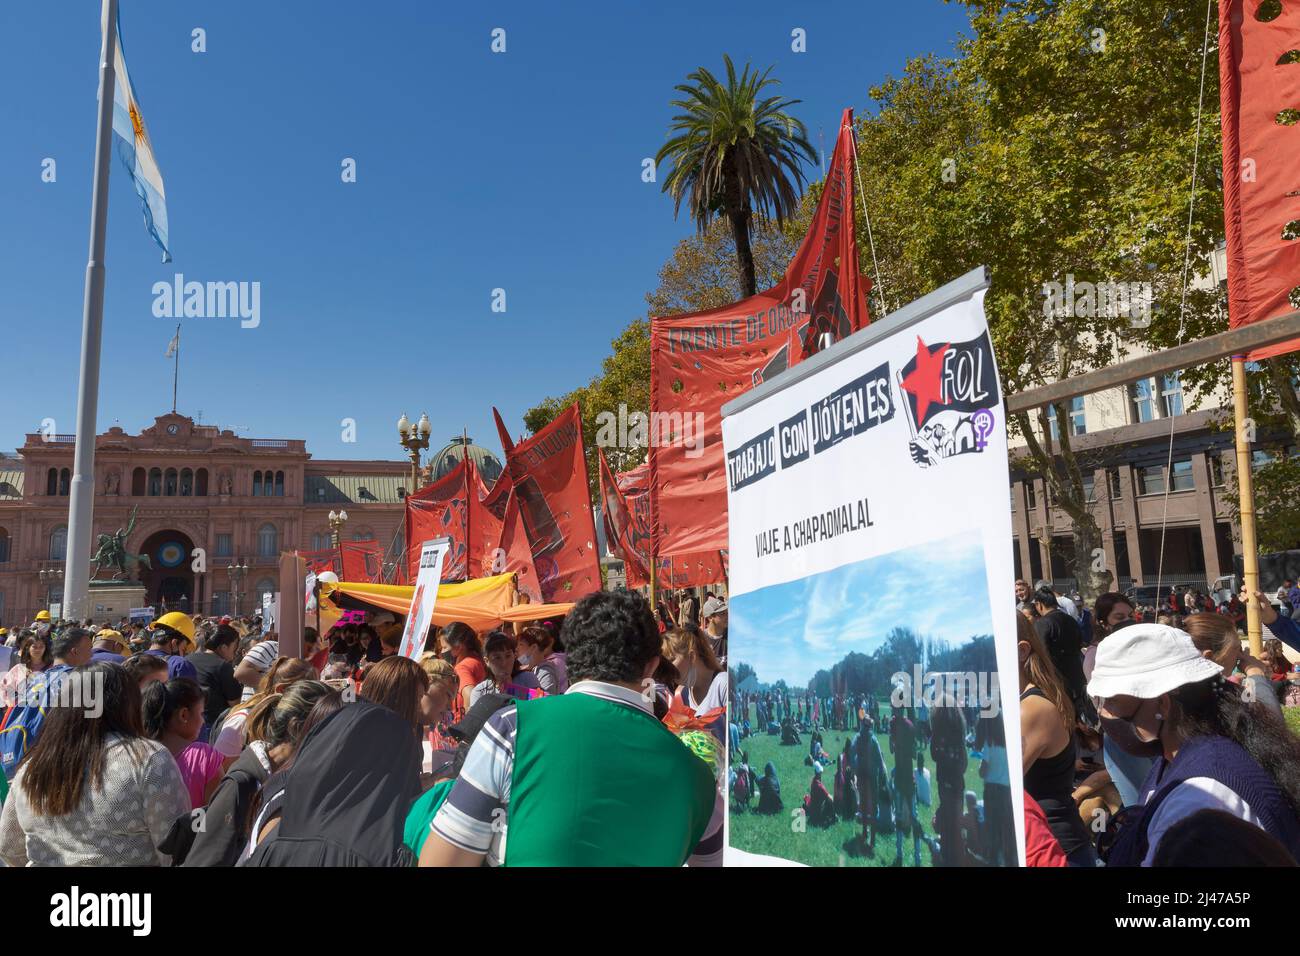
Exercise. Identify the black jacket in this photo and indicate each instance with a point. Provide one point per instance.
(225, 826)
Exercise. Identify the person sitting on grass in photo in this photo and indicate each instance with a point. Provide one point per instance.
(818, 808)
(769, 791)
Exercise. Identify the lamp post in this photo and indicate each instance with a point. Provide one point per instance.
(337, 520)
(415, 439)
(48, 578)
(237, 572)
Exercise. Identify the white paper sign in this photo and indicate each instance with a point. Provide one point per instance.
(420, 615)
(872, 586)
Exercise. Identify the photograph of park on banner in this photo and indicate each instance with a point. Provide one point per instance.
(871, 731)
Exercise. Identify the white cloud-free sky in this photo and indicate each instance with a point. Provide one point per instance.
(790, 631)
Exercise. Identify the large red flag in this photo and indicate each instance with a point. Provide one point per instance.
(620, 528)
(1259, 93)
(701, 361)
(436, 510)
(514, 556)
(324, 560)
(486, 515)
(363, 561)
(549, 476)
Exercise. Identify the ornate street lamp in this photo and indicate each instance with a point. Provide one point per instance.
(337, 520)
(415, 439)
(237, 572)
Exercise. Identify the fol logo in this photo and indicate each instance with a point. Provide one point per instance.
(950, 392)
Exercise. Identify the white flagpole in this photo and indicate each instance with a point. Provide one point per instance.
(176, 369)
(81, 505)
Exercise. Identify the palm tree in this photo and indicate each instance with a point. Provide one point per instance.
(733, 152)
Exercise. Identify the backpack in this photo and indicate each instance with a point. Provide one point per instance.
(741, 786)
(23, 721)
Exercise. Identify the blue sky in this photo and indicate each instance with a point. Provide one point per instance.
(790, 631)
(475, 171)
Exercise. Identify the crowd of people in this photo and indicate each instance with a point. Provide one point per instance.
(594, 739)
(1157, 739)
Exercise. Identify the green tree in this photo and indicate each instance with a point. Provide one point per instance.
(735, 150)
(1058, 143)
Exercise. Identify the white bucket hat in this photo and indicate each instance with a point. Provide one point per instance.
(1147, 660)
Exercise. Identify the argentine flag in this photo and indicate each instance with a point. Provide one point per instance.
(136, 150)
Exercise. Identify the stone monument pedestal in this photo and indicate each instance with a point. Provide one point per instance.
(111, 601)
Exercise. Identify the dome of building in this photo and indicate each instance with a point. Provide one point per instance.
(443, 461)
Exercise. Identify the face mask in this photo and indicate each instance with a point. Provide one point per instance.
(525, 660)
(1122, 735)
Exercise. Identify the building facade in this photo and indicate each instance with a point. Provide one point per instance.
(189, 486)
(1158, 467)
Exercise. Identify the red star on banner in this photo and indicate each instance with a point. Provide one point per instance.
(925, 381)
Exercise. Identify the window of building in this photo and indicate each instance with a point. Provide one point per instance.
(1144, 406)
(320, 541)
(4, 550)
(1171, 394)
(170, 482)
(1151, 480)
(1116, 486)
(220, 603)
(1089, 481)
(138, 482)
(187, 482)
(1216, 470)
(1180, 476)
(1031, 496)
(225, 546)
(52, 482)
(155, 482)
(257, 484)
(279, 484)
(268, 543)
(59, 543)
(201, 482)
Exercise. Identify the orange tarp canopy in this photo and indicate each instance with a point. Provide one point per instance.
(482, 603)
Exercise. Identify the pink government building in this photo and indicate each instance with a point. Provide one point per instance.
(243, 500)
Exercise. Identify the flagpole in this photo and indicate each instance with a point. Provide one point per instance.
(1246, 490)
(176, 369)
(81, 503)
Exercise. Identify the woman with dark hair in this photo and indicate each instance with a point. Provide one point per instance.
(144, 669)
(173, 715)
(34, 655)
(1111, 610)
(399, 684)
(1217, 751)
(467, 657)
(538, 651)
(275, 728)
(506, 676)
(93, 790)
(1047, 744)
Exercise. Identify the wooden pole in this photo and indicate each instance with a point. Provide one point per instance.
(1246, 488)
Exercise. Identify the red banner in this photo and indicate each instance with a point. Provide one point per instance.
(621, 528)
(515, 556)
(436, 510)
(326, 560)
(549, 476)
(363, 561)
(701, 361)
(1259, 93)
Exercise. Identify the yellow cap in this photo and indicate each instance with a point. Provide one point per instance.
(178, 622)
(42, 615)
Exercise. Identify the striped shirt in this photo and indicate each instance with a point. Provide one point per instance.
(474, 816)
(260, 656)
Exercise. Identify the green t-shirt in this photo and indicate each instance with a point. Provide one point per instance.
(599, 783)
(422, 813)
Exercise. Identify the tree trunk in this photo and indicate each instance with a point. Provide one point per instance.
(744, 254)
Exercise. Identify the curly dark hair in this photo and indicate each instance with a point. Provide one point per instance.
(610, 636)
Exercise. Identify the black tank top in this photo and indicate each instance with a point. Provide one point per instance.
(1050, 781)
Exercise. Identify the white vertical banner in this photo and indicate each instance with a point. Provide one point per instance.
(872, 596)
(425, 597)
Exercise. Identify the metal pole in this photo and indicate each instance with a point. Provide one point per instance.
(1246, 489)
(176, 368)
(81, 503)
